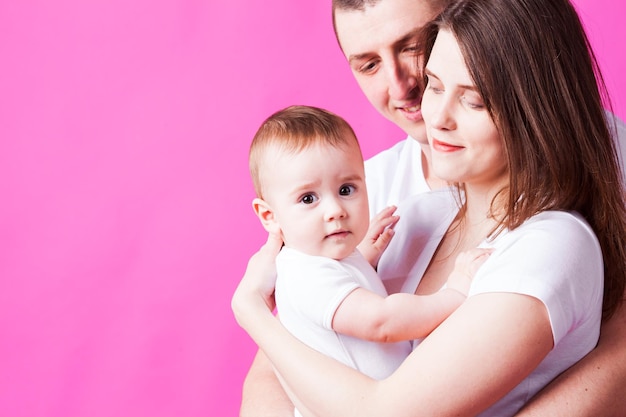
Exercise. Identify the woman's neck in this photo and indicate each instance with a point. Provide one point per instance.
(433, 181)
(483, 206)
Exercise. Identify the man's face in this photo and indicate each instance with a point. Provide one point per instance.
(380, 44)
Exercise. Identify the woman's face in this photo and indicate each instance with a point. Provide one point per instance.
(465, 144)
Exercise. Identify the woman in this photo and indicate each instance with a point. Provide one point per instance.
(515, 121)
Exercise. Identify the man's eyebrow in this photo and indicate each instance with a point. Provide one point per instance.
(359, 57)
(410, 36)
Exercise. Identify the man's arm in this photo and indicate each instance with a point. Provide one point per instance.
(263, 396)
(595, 386)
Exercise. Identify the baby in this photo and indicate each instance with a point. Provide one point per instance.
(307, 169)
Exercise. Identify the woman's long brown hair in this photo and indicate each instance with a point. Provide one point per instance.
(533, 65)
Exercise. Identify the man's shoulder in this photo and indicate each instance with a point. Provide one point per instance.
(389, 154)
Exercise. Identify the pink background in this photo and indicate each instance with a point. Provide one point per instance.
(125, 218)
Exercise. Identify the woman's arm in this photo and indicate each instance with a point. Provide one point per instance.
(595, 386)
(453, 372)
(262, 395)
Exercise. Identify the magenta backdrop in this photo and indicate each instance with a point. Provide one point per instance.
(125, 220)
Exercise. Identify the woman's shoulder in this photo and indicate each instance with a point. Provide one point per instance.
(553, 256)
(558, 225)
(552, 236)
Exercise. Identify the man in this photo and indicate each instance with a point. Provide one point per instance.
(378, 39)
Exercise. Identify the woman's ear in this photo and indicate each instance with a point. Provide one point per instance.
(265, 213)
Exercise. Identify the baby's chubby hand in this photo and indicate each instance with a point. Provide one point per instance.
(378, 235)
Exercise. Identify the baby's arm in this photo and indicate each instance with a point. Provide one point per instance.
(402, 316)
(378, 235)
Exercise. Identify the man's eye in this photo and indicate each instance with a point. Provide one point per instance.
(368, 67)
(346, 190)
(308, 199)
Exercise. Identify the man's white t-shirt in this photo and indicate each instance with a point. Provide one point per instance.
(394, 174)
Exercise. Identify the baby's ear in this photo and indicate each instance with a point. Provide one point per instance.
(265, 213)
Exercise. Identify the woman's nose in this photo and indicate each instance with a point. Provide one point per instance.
(443, 116)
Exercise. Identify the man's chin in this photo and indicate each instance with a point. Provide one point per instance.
(416, 130)
(422, 141)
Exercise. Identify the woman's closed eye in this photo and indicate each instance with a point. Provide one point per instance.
(434, 86)
(473, 102)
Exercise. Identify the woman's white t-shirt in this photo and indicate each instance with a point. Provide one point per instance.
(554, 257)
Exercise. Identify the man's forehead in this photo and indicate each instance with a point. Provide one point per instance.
(419, 12)
(384, 23)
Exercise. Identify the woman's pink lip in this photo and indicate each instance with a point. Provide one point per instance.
(444, 147)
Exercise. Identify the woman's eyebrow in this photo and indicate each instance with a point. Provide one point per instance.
(470, 87)
(428, 72)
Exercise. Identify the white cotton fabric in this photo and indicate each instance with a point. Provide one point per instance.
(554, 257)
(309, 289)
(394, 174)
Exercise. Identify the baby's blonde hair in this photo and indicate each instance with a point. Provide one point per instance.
(294, 129)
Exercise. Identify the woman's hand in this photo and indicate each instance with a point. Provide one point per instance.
(257, 285)
(378, 235)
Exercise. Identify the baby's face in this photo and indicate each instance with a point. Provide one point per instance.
(319, 198)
